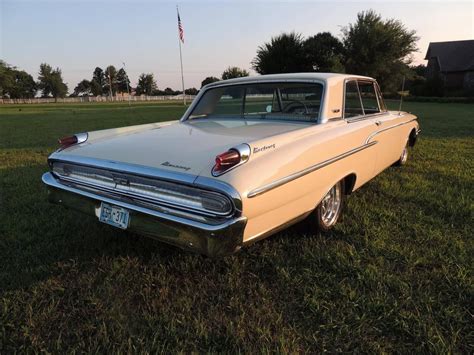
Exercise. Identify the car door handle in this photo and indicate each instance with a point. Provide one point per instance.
(378, 123)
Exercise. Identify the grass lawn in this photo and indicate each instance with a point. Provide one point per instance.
(395, 276)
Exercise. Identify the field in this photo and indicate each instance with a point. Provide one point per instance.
(394, 276)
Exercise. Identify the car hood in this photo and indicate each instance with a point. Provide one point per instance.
(186, 147)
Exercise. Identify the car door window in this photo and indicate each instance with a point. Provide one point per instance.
(369, 97)
(352, 105)
(379, 96)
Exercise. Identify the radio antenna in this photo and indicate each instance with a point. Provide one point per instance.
(401, 96)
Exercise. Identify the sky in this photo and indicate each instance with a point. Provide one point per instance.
(78, 36)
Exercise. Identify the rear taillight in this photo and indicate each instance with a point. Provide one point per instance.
(71, 140)
(231, 159)
(67, 141)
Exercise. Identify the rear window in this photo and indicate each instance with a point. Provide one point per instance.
(276, 101)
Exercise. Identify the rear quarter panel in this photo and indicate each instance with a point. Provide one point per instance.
(279, 156)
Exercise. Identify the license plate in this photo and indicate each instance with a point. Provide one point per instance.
(114, 215)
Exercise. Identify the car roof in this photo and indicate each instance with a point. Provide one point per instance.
(325, 77)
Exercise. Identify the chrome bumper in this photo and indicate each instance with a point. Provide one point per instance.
(210, 238)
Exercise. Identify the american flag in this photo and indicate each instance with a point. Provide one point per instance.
(180, 29)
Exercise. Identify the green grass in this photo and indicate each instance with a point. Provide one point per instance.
(394, 276)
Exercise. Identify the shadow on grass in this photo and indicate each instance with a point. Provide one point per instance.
(39, 237)
(66, 276)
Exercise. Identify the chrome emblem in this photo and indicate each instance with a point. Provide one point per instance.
(167, 163)
(121, 180)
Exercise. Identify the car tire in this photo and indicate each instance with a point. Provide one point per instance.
(329, 210)
(402, 160)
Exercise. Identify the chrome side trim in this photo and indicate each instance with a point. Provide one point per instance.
(372, 135)
(287, 179)
(150, 172)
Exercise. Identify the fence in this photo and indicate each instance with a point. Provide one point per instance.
(142, 98)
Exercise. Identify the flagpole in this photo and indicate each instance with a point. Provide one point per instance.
(181, 60)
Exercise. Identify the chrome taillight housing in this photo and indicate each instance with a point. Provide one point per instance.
(71, 140)
(231, 159)
(146, 189)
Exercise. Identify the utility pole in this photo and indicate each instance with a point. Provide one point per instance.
(110, 84)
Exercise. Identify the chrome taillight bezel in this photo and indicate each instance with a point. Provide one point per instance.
(244, 152)
(160, 192)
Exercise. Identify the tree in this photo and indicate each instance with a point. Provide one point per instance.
(50, 82)
(83, 88)
(24, 86)
(110, 79)
(379, 48)
(170, 92)
(324, 53)
(234, 72)
(45, 79)
(97, 82)
(16, 84)
(209, 80)
(59, 88)
(123, 83)
(146, 84)
(6, 78)
(191, 91)
(283, 54)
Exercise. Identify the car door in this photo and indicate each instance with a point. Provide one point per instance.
(361, 125)
(388, 140)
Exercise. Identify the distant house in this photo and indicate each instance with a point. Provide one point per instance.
(453, 62)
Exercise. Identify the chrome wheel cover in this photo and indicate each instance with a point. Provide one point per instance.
(331, 205)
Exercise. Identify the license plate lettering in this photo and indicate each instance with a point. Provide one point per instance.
(114, 215)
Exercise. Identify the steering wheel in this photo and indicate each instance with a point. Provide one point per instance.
(296, 102)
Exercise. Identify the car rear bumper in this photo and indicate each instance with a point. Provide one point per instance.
(212, 239)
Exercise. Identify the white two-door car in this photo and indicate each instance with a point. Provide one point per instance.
(249, 157)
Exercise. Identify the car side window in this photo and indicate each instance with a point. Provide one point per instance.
(352, 105)
(369, 97)
(380, 97)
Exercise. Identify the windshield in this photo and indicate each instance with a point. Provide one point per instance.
(276, 101)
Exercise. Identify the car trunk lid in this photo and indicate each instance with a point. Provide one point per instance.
(185, 147)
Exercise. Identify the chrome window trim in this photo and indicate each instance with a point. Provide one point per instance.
(364, 116)
(277, 183)
(381, 101)
(203, 90)
(155, 173)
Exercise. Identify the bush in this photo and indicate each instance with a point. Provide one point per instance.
(464, 100)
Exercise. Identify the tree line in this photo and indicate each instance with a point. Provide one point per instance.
(371, 46)
(18, 84)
